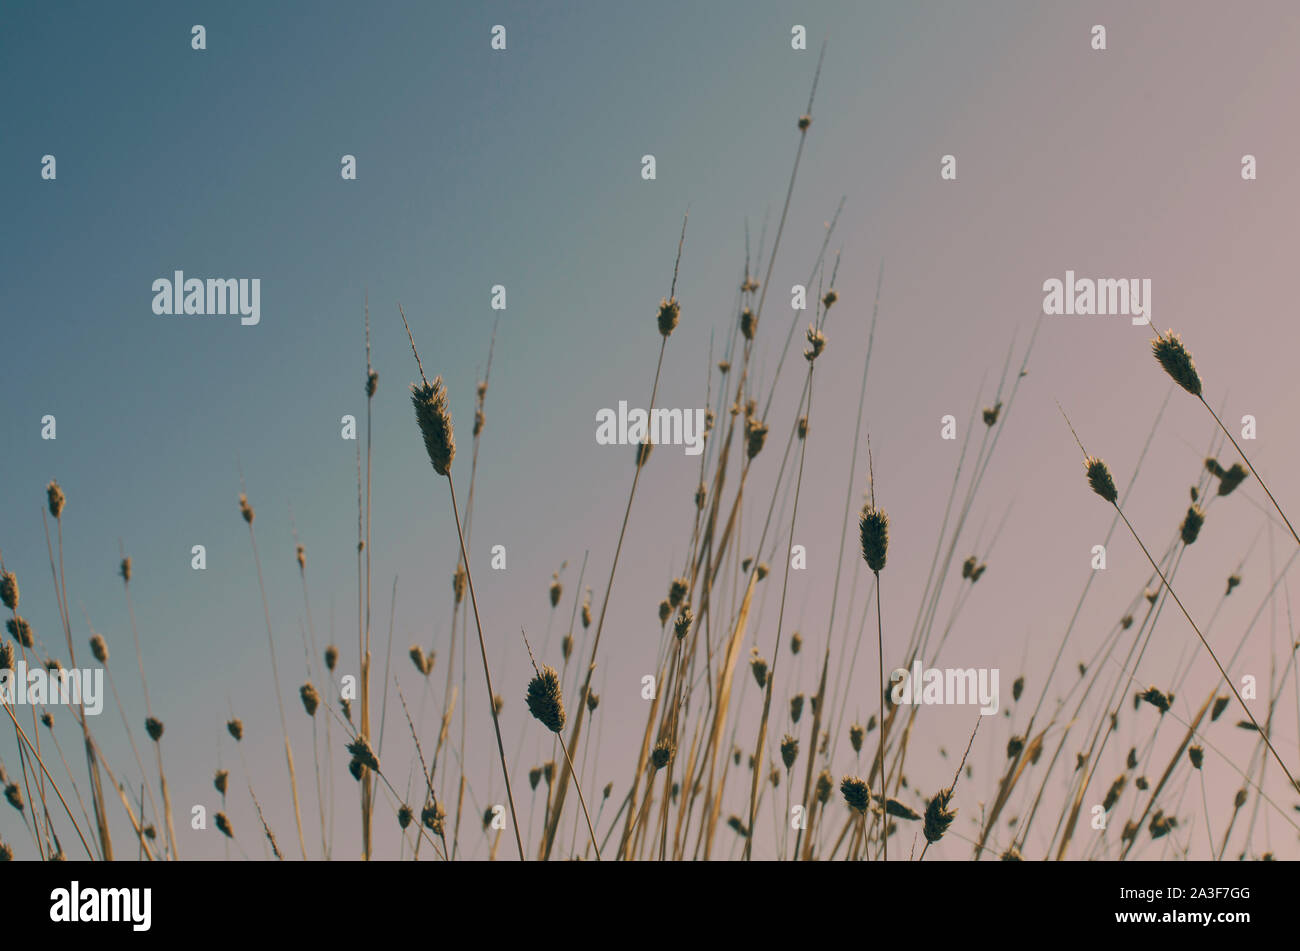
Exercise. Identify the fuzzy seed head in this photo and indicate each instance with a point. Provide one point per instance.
(873, 525)
(856, 733)
(99, 648)
(1232, 477)
(755, 436)
(669, 313)
(748, 324)
(816, 344)
(1192, 523)
(310, 698)
(363, 754)
(221, 781)
(9, 590)
(938, 817)
(236, 728)
(556, 590)
(1100, 479)
(804, 122)
(789, 750)
(856, 794)
(544, 700)
(331, 657)
(223, 824)
(54, 495)
(661, 754)
(682, 626)
(1177, 362)
(372, 383)
(434, 420)
(154, 727)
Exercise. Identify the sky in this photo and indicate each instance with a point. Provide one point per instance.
(523, 168)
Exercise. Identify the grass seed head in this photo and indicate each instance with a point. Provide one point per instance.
(363, 754)
(54, 495)
(789, 750)
(938, 817)
(1177, 362)
(856, 794)
(245, 509)
(669, 313)
(223, 824)
(434, 419)
(873, 525)
(9, 590)
(796, 707)
(544, 700)
(236, 728)
(154, 727)
(310, 698)
(20, 631)
(221, 781)
(1100, 479)
(1192, 523)
(99, 648)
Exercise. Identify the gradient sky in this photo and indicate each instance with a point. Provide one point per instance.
(523, 168)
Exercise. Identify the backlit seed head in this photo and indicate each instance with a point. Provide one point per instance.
(431, 817)
(534, 776)
(245, 509)
(900, 810)
(873, 525)
(1220, 704)
(6, 853)
(1141, 783)
(154, 727)
(6, 656)
(682, 626)
(1239, 800)
(738, 826)
(47, 721)
(586, 610)
(938, 817)
(856, 733)
(665, 610)
(856, 794)
(301, 556)
(1160, 701)
(824, 786)
(803, 427)
(1017, 688)
(1232, 477)
(422, 663)
(796, 707)
(363, 754)
(458, 583)
(1100, 479)
(99, 648)
(20, 631)
(236, 728)
(804, 122)
(404, 815)
(1131, 761)
(221, 781)
(488, 815)
(310, 698)
(789, 750)
(968, 566)
(816, 344)
(759, 668)
(54, 495)
(544, 700)
(669, 313)
(661, 754)
(829, 298)
(556, 590)
(1126, 622)
(701, 493)
(566, 646)
(796, 643)
(748, 323)
(498, 703)
(1014, 746)
(1114, 792)
(593, 701)
(434, 419)
(223, 824)
(331, 657)
(1012, 854)
(9, 590)
(1177, 362)
(761, 571)
(1197, 755)
(1233, 580)
(643, 450)
(1192, 523)
(755, 436)
(346, 706)
(991, 413)
(372, 383)
(724, 366)
(548, 771)
(609, 789)
(677, 591)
